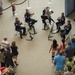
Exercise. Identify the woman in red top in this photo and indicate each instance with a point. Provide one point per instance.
(63, 45)
(13, 8)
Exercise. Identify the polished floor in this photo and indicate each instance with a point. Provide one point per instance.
(34, 57)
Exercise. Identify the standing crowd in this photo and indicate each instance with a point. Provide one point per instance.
(8, 57)
(63, 57)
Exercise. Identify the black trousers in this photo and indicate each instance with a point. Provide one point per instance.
(2, 64)
(8, 63)
(44, 18)
(31, 22)
(59, 23)
(22, 31)
(63, 33)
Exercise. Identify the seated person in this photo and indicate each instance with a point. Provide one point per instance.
(46, 15)
(19, 28)
(66, 29)
(28, 18)
(61, 21)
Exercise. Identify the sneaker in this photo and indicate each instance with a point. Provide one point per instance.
(15, 14)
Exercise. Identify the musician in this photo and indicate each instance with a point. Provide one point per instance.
(19, 27)
(66, 29)
(46, 15)
(29, 20)
(61, 21)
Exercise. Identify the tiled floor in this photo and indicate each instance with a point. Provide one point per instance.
(34, 57)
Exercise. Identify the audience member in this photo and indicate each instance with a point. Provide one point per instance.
(74, 67)
(73, 42)
(14, 51)
(2, 57)
(53, 48)
(70, 63)
(8, 58)
(59, 62)
(7, 71)
(5, 43)
(69, 51)
(62, 45)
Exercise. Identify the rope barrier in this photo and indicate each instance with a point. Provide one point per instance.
(15, 4)
(20, 3)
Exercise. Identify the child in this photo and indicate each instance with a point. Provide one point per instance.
(70, 63)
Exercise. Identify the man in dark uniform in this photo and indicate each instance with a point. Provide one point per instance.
(61, 21)
(29, 20)
(66, 29)
(19, 28)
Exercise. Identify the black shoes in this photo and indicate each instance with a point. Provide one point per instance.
(33, 22)
(17, 64)
(25, 34)
(21, 37)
